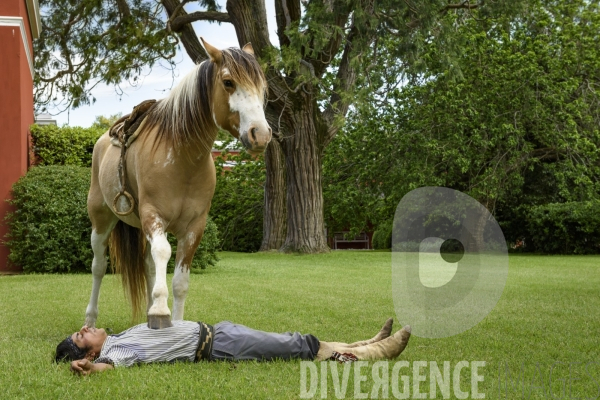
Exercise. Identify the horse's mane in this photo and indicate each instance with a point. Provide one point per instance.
(185, 116)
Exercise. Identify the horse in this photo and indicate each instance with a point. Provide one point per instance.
(171, 178)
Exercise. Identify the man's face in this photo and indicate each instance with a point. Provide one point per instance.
(91, 338)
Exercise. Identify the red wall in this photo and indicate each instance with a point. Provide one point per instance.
(16, 109)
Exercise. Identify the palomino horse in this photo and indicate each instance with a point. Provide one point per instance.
(171, 174)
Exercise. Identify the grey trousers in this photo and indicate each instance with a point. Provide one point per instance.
(235, 342)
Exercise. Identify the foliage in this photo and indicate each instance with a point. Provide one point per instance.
(206, 253)
(519, 127)
(316, 72)
(565, 228)
(83, 43)
(50, 231)
(65, 145)
(382, 237)
(238, 203)
(104, 123)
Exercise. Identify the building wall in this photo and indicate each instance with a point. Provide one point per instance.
(16, 105)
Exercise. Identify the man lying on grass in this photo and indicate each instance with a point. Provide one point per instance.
(92, 350)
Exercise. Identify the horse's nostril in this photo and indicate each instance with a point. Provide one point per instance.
(253, 133)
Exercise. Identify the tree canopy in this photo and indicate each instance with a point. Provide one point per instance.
(83, 43)
(513, 122)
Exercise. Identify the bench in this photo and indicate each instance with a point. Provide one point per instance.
(362, 237)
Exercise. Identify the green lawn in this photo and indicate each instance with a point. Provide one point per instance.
(545, 329)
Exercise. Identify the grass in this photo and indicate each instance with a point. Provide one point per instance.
(545, 323)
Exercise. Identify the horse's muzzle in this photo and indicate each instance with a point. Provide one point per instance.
(256, 139)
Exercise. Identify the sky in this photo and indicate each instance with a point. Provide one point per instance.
(158, 81)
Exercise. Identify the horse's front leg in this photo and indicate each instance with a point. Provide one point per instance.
(99, 244)
(159, 315)
(186, 247)
(150, 270)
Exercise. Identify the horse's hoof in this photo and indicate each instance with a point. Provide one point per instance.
(159, 321)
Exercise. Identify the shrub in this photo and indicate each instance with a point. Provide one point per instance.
(382, 237)
(563, 228)
(50, 230)
(64, 146)
(238, 203)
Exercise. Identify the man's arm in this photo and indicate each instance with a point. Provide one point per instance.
(85, 367)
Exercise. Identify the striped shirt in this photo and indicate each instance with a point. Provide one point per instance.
(141, 344)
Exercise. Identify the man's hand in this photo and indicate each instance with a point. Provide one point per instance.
(82, 367)
(86, 367)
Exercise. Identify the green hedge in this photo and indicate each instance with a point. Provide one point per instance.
(64, 146)
(565, 228)
(382, 237)
(49, 231)
(238, 204)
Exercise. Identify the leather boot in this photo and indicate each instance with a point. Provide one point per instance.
(384, 333)
(385, 349)
(388, 348)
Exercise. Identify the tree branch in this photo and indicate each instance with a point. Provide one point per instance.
(345, 81)
(548, 154)
(213, 16)
(465, 5)
(186, 33)
(123, 9)
(175, 13)
(331, 48)
(286, 12)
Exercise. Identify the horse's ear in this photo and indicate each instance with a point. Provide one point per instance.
(215, 54)
(248, 48)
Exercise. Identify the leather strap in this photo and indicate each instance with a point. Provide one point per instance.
(205, 342)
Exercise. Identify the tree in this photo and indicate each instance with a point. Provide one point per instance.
(326, 49)
(104, 123)
(514, 123)
(83, 43)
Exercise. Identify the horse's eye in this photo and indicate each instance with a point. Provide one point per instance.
(228, 83)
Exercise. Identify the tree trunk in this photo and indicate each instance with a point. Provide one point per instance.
(274, 219)
(475, 223)
(305, 226)
(293, 114)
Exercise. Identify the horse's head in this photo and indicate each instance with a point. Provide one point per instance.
(238, 95)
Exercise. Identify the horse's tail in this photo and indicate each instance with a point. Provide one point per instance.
(127, 246)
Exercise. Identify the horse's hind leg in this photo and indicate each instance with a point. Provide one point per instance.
(181, 279)
(186, 247)
(100, 235)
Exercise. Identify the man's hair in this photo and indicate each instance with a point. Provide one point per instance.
(67, 350)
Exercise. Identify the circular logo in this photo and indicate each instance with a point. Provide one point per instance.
(449, 262)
